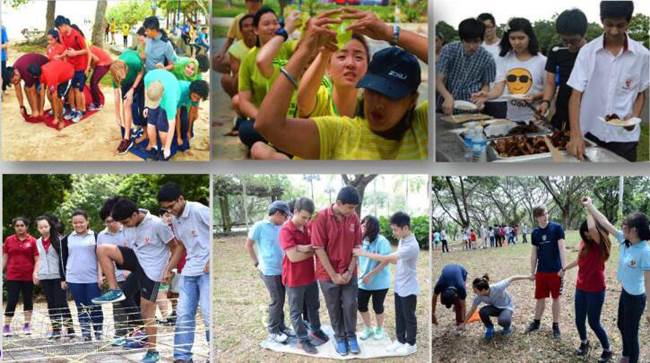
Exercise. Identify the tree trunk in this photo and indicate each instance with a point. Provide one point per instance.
(100, 24)
(225, 213)
(49, 15)
(360, 182)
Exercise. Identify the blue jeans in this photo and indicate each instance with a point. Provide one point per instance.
(86, 310)
(194, 291)
(588, 306)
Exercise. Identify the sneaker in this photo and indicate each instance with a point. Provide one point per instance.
(77, 117)
(532, 327)
(87, 338)
(110, 296)
(118, 341)
(506, 331)
(27, 330)
(354, 345)
(307, 347)
(367, 333)
(69, 332)
(50, 112)
(583, 349)
(124, 146)
(69, 115)
(341, 347)
(98, 336)
(288, 332)
(6, 331)
(394, 346)
(556, 332)
(54, 335)
(278, 337)
(406, 349)
(606, 356)
(319, 335)
(135, 344)
(93, 107)
(151, 357)
(379, 333)
(489, 333)
(153, 154)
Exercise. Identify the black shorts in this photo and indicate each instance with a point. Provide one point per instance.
(63, 88)
(79, 80)
(148, 287)
(157, 117)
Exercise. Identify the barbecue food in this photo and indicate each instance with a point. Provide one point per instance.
(612, 117)
(520, 145)
(524, 129)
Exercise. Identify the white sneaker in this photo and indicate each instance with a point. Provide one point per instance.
(394, 347)
(278, 337)
(406, 349)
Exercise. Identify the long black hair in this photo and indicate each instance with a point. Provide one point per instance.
(257, 17)
(372, 228)
(523, 25)
(640, 222)
(605, 244)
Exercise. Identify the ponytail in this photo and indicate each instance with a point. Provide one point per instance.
(481, 283)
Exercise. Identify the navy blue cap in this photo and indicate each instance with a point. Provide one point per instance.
(281, 206)
(392, 72)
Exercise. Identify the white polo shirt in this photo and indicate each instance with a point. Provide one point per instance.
(81, 267)
(609, 84)
(117, 239)
(192, 228)
(149, 241)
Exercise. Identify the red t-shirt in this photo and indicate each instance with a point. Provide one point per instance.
(295, 274)
(472, 236)
(337, 238)
(104, 58)
(55, 72)
(591, 271)
(56, 49)
(75, 41)
(20, 260)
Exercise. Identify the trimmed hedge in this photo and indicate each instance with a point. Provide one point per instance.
(419, 227)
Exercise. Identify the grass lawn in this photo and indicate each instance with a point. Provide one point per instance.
(500, 263)
(240, 307)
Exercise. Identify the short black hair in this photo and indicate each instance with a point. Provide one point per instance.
(243, 19)
(616, 9)
(471, 29)
(20, 219)
(523, 25)
(61, 20)
(169, 192)
(140, 31)
(123, 209)
(201, 88)
(401, 220)
(348, 195)
(151, 22)
(486, 16)
(571, 21)
(204, 62)
(449, 296)
(80, 212)
(303, 204)
(105, 212)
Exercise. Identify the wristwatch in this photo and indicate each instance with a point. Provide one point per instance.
(283, 33)
(395, 39)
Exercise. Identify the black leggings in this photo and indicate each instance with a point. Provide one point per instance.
(14, 289)
(378, 297)
(57, 304)
(248, 135)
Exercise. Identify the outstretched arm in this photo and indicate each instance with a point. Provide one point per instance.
(598, 216)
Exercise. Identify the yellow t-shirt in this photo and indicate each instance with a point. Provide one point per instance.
(238, 50)
(324, 105)
(344, 138)
(233, 31)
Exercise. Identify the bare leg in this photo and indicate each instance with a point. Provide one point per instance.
(556, 310)
(151, 134)
(365, 316)
(380, 320)
(28, 316)
(262, 151)
(148, 311)
(33, 100)
(107, 255)
(540, 304)
(128, 118)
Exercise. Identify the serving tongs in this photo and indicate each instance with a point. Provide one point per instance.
(539, 116)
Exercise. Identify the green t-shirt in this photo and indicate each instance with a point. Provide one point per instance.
(238, 50)
(133, 66)
(344, 138)
(185, 99)
(179, 69)
(171, 97)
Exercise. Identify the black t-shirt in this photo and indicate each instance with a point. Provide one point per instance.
(561, 61)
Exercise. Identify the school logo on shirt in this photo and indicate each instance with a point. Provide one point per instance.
(633, 263)
(147, 240)
(352, 228)
(519, 81)
(543, 238)
(195, 233)
(628, 84)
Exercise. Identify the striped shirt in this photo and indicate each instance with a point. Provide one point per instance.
(344, 138)
(465, 74)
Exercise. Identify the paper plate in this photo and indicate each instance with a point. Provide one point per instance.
(465, 106)
(622, 123)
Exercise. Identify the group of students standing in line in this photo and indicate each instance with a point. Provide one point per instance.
(285, 90)
(155, 91)
(492, 236)
(137, 255)
(548, 267)
(298, 251)
(584, 80)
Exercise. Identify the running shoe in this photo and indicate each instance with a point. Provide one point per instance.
(151, 357)
(110, 296)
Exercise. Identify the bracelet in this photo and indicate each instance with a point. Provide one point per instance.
(289, 77)
(396, 30)
(547, 101)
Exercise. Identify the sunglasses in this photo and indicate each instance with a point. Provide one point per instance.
(512, 78)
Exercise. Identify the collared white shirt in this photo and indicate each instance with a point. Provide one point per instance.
(610, 84)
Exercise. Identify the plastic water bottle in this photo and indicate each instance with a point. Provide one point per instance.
(467, 141)
(479, 146)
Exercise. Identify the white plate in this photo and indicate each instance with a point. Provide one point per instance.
(622, 123)
(464, 105)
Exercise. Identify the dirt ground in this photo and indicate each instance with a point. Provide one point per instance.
(537, 347)
(240, 306)
(94, 139)
(36, 347)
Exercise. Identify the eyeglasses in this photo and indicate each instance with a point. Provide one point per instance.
(512, 78)
(570, 41)
(169, 207)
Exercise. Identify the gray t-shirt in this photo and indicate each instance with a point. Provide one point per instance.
(115, 239)
(158, 51)
(192, 228)
(498, 297)
(81, 267)
(149, 242)
(406, 277)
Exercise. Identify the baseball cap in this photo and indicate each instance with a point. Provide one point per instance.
(392, 72)
(281, 206)
(154, 94)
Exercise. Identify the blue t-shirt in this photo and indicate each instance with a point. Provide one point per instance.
(4, 41)
(452, 275)
(436, 236)
(632, 264)
(381, 280)
(267, 238)
(548, 250)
